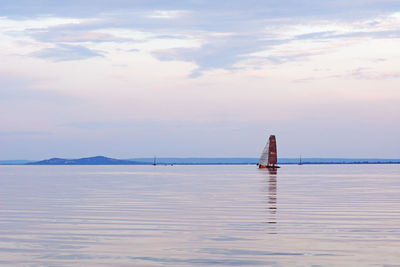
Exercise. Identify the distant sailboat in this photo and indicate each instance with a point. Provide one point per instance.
(155, 161)
(269, 158)
(300, 163)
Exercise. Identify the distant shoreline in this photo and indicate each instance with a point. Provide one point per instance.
(101, 160)
(204, 164)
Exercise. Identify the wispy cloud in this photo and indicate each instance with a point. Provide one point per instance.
(251, 27)
(361, 73)
(355, 34)
(367, 74)
(64, 52)
(218, 51)
(166, 14)
(55, 35)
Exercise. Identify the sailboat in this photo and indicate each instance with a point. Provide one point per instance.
(300, 163)
(269, 158)
(155, 161)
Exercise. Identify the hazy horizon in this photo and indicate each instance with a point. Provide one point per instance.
(219, 160)
(199, 78)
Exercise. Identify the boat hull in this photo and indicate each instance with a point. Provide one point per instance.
(267, 167)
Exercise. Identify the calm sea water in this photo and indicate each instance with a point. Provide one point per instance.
(199, 215)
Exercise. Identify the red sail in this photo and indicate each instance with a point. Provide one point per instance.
(269, 157)
(272, 155)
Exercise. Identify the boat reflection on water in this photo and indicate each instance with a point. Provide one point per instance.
(272, 197)
(272, 171)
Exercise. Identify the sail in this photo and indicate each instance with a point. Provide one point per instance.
(263, 161)
(269, 155)
(272, 153)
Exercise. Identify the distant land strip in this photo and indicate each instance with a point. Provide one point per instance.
(101, 160)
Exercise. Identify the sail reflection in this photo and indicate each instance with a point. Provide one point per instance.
(272, 197)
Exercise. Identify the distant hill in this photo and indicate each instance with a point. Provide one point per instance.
(99, 160)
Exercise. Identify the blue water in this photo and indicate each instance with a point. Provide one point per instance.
(199, 215)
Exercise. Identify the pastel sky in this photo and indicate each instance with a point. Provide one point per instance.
(198, 78)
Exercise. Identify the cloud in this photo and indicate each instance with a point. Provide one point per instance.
(87, 30)
(250, 8)
(364, 74)
(218, 52)
(354, 34)
(166, 14)
(225, 51)
(56, 35)
(361, 73)
(64, 52)
(315, 35)
(280, 59)
(251, 27)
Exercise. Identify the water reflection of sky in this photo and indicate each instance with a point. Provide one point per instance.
(199, 215)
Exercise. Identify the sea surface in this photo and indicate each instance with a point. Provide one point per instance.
(335, 215)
